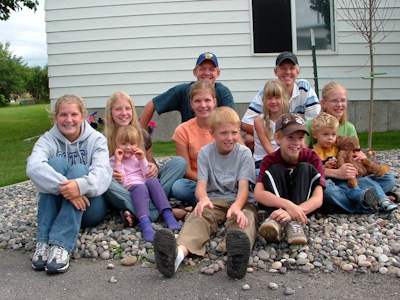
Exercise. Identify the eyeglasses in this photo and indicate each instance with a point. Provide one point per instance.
(337, 101)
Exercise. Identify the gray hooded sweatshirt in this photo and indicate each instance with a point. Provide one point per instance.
(90, 149)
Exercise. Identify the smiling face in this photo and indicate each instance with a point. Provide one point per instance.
(274, 104)
(69, 119)
(287, 72)
(226, 136)
(325, 137)
(291, 145)
(207, 71)
(121, 112)
(335, 109)
(203, 104)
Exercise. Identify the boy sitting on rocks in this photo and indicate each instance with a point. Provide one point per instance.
(290, 182)
(225, 169)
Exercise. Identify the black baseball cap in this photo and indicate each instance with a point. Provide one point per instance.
(286, 55)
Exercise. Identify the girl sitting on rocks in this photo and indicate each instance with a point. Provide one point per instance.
(69, 166)
(334, 102)
(130, 160)
(120, 111)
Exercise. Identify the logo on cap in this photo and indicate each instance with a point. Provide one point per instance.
(208, 55)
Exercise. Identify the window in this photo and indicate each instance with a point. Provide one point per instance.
(273, 29)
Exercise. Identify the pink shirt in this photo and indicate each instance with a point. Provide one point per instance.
(134, 170)
(190, 135)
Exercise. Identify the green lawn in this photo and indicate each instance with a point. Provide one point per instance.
(16, 124)
(21, 122)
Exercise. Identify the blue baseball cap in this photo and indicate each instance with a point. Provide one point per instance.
(207, 56)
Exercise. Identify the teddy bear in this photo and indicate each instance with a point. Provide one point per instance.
(348, 147)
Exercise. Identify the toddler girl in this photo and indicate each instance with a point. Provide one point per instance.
(129, 158)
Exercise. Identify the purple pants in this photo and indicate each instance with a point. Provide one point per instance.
(141, 193)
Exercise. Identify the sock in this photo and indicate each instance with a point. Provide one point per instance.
(170, 220)
(179, 258)
(145, 225)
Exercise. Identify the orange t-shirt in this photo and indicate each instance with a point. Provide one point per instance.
(190, 135)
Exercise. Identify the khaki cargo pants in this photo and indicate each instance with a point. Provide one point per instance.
(197, 231)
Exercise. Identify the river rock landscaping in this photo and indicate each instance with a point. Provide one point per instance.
(349, 242)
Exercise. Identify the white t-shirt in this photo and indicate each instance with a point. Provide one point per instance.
(259, 151)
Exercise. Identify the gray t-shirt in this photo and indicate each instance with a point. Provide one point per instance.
(224, 172)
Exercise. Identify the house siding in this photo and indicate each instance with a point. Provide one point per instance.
(96, 47)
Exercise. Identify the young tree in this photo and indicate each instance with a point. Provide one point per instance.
(38, 84)
(369, 18)
(6, 6)
(13, 73)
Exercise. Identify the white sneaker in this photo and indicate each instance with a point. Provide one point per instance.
(40, 257)
(58, 261)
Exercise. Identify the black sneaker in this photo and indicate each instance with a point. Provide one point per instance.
(369, 199)
(40, 257)
(58, 260)
(238, 252)
(165, 251)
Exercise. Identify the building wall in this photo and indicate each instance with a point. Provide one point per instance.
(96, 47)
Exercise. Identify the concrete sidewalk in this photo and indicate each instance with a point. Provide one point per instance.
(88, 279)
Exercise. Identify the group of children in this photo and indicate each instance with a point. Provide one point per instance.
(290, 181)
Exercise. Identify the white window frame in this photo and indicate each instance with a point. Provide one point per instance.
(294, 31)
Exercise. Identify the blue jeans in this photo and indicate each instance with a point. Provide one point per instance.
(170, 172)
(184, 191)
(337, 192)
(58, 220)
(120, 198)
(387, 181)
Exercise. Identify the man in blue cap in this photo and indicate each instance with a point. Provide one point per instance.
(178, 97)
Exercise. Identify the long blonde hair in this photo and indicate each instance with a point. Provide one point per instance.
(328, 88)
(109, 127)
(274, 88)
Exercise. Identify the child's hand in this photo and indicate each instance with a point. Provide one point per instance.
(280, 215)
(198, 211)
(297, 213)
(119, 154)
(139, 153)
(331, 163)
(70, 189)
(80, 202)
(240, 217)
